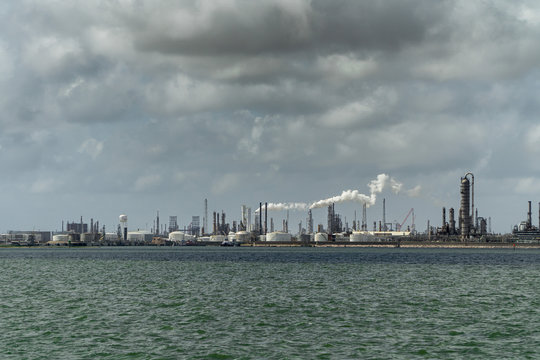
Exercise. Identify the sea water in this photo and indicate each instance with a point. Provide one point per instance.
(268, 303)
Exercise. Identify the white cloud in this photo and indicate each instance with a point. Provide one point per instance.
(146, 182)
(91, 147)
(225, 182)
(43, 186)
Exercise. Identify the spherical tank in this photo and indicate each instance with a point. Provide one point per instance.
(122, 218)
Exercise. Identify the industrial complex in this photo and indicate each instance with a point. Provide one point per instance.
(255, 228)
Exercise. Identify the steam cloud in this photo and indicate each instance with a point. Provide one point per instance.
(376, 186)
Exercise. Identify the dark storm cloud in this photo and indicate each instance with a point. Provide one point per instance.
(233, 98)
(274, 28)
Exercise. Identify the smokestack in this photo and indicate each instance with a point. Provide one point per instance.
(157, 223)
(215, 223)
(529, 217)
(443, 216)
(452, 222)
(205, 220)
(364, 217)
(384, 213)
(265, 218)
(260, 219)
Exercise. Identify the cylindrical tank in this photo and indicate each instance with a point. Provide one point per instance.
(242, 236)
(356, 236)
(177, 236)
(111, 237)
(231, 236)
(61, 237)
(278, 236)
(464, 216)
(320, 237)
(87, 237)
(218, 238)
(141, 236)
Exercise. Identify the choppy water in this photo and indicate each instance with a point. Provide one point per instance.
(270, 303)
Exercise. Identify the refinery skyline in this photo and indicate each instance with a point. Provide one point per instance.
(130, 107)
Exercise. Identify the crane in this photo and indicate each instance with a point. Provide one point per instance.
(406, 217)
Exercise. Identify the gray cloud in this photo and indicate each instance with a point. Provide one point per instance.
(165, 103)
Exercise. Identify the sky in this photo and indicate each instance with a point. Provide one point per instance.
(134, 106)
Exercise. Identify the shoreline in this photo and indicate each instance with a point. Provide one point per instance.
(381, 244)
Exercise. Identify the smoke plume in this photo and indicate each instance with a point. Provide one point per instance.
(375, 186)
(285, 206)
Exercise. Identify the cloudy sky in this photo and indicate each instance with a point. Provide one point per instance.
(134, 106)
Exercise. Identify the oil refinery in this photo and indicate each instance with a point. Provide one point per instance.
(256, 228)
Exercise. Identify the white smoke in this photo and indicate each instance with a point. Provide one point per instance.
(285, 206)
(376, 186)
(347, 195)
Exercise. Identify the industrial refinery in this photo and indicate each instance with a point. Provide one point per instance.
(255, 227)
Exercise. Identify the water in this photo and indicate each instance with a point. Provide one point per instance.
(268, 303)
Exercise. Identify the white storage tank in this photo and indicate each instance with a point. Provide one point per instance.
(111, 237)
(339, 236)
(361, 236)
(218, 238)
(242, 236)
(140, 236)
(177, 236)
(356, 236)
(319, 237)
(278, 236)
(231, 237)
(61, 237)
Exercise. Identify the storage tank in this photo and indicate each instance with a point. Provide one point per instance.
(278, 236)
(231, 237)
(218, 238)
(177, 236)
(87, 237)
(111, 237)
(356, 236)
(242, 236)
(139, 236)
(61, 237)
(339, 236)
(319, 237)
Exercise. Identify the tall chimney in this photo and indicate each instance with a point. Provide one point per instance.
(384, 214)
(529, 217)
(260, 219)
